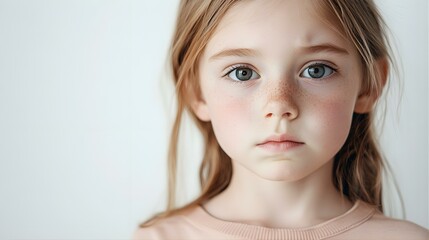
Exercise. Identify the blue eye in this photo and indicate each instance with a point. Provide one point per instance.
(318, 70)
(243, 74)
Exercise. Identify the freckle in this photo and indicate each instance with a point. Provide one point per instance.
(282, 92)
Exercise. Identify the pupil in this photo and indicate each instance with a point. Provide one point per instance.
(316, 72)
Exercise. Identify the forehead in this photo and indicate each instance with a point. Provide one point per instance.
(275, 26)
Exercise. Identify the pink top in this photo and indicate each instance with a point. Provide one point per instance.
(360, 222)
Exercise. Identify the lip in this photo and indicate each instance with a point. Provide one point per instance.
(280, 143)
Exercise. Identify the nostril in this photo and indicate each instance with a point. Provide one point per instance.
(286, 114)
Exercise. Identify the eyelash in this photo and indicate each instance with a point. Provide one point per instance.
(333, 69)
(238, 66)
(235, 67)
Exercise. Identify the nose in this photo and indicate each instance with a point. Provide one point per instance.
(281, 102)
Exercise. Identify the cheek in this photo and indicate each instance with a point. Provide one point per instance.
(330, 112)
(230, 117)
(331, 122)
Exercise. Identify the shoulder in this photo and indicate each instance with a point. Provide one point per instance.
(399, 229)
(183, 225)
(381, 227)
(164, 228)
(376, 225)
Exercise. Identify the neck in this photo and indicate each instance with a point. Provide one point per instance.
(253, 200)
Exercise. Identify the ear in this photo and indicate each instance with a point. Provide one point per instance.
(199, 107)
(366, 100)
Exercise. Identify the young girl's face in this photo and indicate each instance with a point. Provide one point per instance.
(280, 88)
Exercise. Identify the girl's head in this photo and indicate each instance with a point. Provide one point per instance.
(309, 71)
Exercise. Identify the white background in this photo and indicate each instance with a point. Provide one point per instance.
(83, 124)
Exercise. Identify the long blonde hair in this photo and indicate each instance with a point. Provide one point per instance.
(357, 166)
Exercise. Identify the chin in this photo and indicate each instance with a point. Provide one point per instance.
(281, 174)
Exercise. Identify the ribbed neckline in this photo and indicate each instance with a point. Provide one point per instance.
(359, 213)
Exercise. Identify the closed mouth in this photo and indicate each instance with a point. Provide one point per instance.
(280, 146)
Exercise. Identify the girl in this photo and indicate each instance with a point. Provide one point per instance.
(284, 93)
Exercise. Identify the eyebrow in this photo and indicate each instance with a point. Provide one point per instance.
(247, 52)
(326, 47)
(237, 52)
